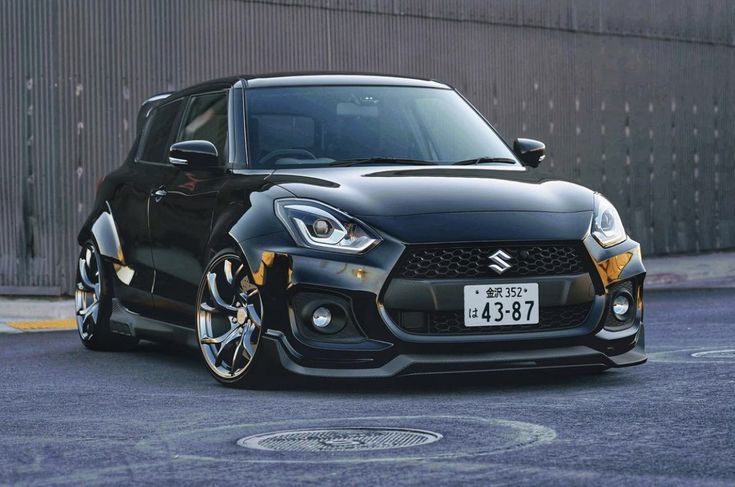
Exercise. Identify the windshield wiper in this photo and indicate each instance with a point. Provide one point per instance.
(483, 160)
(382, 160)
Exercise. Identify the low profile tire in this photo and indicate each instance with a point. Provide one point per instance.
(93, 302)
(229, 323)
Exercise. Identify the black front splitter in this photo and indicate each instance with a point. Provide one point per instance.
(497, 361)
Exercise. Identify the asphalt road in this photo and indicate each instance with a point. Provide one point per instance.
(71, 416)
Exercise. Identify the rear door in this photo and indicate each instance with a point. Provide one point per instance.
(181, 216)
(129, 207)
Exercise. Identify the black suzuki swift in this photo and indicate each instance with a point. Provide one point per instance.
(351, 226)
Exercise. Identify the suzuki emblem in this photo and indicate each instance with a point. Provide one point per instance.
(501, 261)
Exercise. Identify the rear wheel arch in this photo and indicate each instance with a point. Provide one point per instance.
(103, 229)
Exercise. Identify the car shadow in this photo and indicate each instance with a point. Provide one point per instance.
(170, 353)
(468, 382)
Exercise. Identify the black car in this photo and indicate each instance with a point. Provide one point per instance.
(351, 226)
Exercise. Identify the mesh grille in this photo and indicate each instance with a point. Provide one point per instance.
(442, 262)
(452, 322)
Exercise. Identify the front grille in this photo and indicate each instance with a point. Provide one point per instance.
(452, 322)
(471, 261)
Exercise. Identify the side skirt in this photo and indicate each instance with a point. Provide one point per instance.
(130, 323)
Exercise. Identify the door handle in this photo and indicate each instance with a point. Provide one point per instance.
(159, 194)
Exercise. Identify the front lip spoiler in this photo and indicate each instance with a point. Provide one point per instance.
(426, 364)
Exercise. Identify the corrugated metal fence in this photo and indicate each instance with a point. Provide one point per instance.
(633, 98)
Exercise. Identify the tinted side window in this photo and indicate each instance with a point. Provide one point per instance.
(159, 131)
(206, 119)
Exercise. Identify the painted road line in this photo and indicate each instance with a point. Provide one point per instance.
(43, 325)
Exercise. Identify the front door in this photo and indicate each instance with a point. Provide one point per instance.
(180, 214)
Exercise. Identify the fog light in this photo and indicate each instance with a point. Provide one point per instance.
(321, 317)
(621, 306)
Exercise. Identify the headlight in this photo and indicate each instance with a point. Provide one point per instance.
(607, 228)
(319, 226)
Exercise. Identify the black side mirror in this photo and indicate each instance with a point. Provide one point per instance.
(530, 152)
(194, 154)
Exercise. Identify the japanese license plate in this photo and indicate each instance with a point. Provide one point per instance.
(501, 304)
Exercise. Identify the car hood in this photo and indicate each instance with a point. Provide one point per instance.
(389, 191)
(397, 200)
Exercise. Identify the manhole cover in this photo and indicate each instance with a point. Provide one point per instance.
(339, 439)
(727, 354)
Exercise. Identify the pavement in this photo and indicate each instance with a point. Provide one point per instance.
(153, 415)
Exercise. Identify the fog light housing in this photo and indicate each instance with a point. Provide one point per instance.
(321, 317)
(620, 306)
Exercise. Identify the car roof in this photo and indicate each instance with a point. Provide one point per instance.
(335, 79)
(311, 79)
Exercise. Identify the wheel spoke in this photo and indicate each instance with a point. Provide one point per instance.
(83, 308)
(86, 280)
(223, 339)
(219, 357)
(236, 356)
(228, 271)
(223, 347)
(216, 297)
(253, 315)
(247, 297)
(247, 340)
(90, 310)
(87, 323)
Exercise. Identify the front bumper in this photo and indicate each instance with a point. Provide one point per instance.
(376, 347)
(569, 357)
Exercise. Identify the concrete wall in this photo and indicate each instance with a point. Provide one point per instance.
(633, 98)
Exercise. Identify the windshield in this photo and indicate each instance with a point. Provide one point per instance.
(318, 126)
